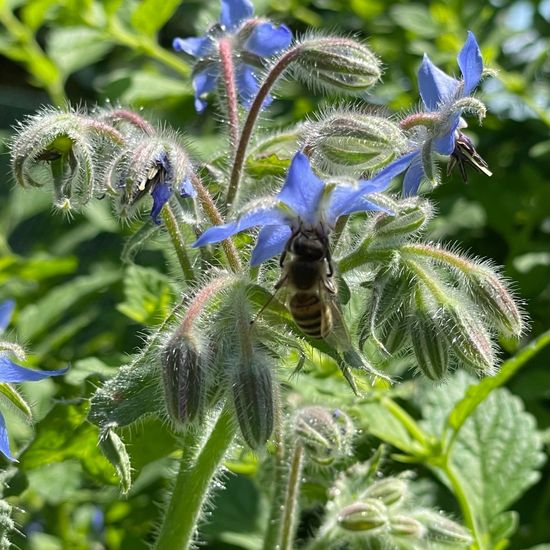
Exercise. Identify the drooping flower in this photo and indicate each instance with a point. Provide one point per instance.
(252, 38)
(438, 130)
(305, 201)
(11, 372)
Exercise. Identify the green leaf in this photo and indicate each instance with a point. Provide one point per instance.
(64, 434)
(36, 268)
(83, 369)
(475, 394)
(496, 453)
(271, 165)
(134, 392)
(150, 15)
(15, 398)
(415, 18)
(143, 87)
(35, 12)
(148, 295)
(40, 316)
(115, 451)
(73, 48)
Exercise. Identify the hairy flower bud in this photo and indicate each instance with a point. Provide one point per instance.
(390, 491)
(469, 340)
(408, 220)
(353, 141)
(366, 515)
(406, 526)
(253, 399)
(489, 291)
(184, 378)
(431, 349)
(442, 530)
(337, 63)
(155, 164)
(115, 451)
(58, 148)
(324, 434)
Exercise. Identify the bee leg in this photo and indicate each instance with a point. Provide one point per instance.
(278, 285)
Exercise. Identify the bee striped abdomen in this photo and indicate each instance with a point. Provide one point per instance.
(311, 314)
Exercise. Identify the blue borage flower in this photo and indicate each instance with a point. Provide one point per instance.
(162, 184)
(254, 39)
(441, 95)
(10, 372)
(304, 201)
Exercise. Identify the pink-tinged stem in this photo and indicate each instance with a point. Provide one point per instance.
(228, 70)
(250, 121)
(418, 119)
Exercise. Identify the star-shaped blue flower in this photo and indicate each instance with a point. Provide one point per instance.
(303, 200)
(440, 94)
(10, 372)
(253, 39)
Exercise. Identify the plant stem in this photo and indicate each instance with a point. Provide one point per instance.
(406, 420)
(271, 537)
(462, 498)
(250, 121)
(215, 217)
(290, 508)
(192, 487)
(228, 71)
(171, 223)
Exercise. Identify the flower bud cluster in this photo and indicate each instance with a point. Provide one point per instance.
(325, 435)
(215, 355)
(83, 155)
(442, 307)
(367, 511)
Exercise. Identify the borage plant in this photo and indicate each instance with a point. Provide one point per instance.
(357, 297)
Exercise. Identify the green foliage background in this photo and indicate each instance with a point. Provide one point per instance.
(77, 303)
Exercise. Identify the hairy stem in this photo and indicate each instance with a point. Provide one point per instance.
(192, 486)
(215, 217)
(405, 419)
(290, 507)
(251, 119)
(279, 477)
(171, 223)
(228, 71)
(462, 498)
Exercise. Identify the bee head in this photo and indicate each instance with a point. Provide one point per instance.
(308, 246)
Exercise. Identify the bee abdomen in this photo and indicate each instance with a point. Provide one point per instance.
(311, 314)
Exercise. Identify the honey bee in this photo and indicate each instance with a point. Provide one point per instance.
(307, 276)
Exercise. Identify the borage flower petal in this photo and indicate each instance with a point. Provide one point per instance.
(234, 12)
(6, 311)
(266, 39)
(435, 86)
(4, 440)
(470, 63)
(11, 372)
(271, 242)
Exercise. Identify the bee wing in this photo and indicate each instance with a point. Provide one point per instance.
(339, 336)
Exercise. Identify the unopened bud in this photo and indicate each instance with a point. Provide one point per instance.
(469, 339)
(324, 434)
(340, 63)
(390, 491)
(406, 526)
(353, 141)
(253, 398)
(430, 346)
(367, 515)
(490, 292)
(184, 377)
(406, 221)
(442, 530)
(115, 451)
(57, 148)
